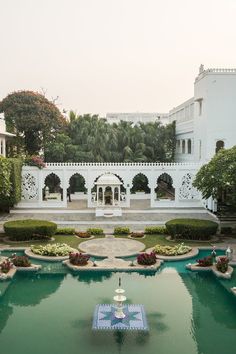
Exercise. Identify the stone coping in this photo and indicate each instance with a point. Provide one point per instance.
(32, 268)
(193, 253)
(113, 264)
(195, 268)
(30, 254)
(233, 290)
(9, 275)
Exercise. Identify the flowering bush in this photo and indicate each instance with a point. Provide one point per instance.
(152, 230)
(222, 264)
(137, 234)
(5, 266)
(53, 250)
(21, 261)
(146, 258)
(78, 259)
(121, 230)
(205, 262)
(172, 250)
(35, 161)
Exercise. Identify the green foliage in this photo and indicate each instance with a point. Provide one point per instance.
(10, 182)
(191, 229)
(172, 250)
(218, 175)
(21, 230)
(95, 231)
(65, 231)
(33, 118)
(121, 230)
(158, 230)
(90, 139)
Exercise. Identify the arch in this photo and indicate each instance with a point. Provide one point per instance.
(165, 188)
(189, 146)
(183, 146)
(77, 183)
(52, 189)
(220, 144)
(140, 183)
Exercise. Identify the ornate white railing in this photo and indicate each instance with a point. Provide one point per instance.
(120, 164)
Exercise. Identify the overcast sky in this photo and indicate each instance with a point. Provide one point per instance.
(103, 56)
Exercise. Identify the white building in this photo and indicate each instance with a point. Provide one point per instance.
(137, 117)
(3, 135)
(206, 122)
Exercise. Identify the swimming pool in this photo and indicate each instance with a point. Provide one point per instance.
(51, 312)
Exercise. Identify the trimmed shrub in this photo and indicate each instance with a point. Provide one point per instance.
(151, 230)
(23, 230)
(147, 258)
(95, 231)
(21, 261)
(65, 231)
(79, 259)
(5, 266)
(191, 229)
(205, 262)
(10, 182)
(121, 230)
(137, 234)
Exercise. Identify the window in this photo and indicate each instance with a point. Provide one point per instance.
(189, 146)
(219, 145)
(183, 146)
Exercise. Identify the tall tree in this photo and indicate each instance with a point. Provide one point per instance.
(33, 118)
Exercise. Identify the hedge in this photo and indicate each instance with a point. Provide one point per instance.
(65, 231)
(151, 230)
(191, 229)
(95, 231)
(121, 230)
(22, 230)
(10, 182)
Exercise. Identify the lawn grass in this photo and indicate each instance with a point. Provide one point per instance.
(73, 241)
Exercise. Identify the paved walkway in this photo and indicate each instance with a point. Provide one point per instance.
(112, 247)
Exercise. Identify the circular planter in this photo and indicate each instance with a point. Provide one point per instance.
(30, 254)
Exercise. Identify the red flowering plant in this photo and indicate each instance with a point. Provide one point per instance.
(147, 258)
(78, 259)
(5, 266)
(222, 264)
(205, 262)
(35, 161)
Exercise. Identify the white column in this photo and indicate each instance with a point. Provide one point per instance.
(113, 195)
(103, 195)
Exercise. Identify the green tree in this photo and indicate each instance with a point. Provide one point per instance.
(217, 178)
(33, 118)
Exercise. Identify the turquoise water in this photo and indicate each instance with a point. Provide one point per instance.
(51, 312)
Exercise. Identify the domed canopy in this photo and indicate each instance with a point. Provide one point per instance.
(108, 179)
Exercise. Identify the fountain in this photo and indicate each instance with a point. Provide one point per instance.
(119, 316)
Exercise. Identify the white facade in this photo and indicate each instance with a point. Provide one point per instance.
(182, 175)
(137, 117)
(208, 120)
(3, 135)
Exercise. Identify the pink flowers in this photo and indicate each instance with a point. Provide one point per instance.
(35, 161)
